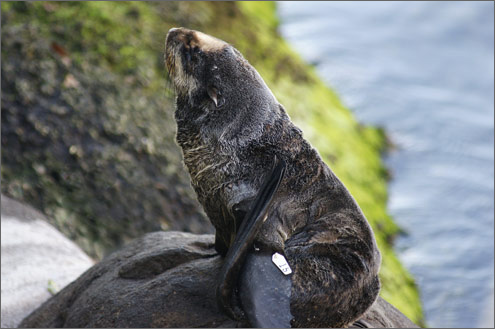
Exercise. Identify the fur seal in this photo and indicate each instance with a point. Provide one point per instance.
(260, 182)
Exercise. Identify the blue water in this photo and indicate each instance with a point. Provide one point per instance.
(425, 72)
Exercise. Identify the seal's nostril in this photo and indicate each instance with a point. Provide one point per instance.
(172, 33)
(178, 35)
(172, 36)
(178, 30)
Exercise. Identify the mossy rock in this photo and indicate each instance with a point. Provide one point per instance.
(88, 129)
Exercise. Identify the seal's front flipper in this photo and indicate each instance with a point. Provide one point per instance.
(243, 241)
(264, 290)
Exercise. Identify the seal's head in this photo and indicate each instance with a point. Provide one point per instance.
(213, 82)
(188, 57)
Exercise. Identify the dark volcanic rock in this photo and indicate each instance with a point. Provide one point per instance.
(164, 279)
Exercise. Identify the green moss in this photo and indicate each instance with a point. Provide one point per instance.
(126, 39)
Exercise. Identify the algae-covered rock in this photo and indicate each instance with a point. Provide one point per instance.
(164, 279)
(90, 148)
(88, 129)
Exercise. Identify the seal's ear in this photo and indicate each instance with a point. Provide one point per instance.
(215, 96)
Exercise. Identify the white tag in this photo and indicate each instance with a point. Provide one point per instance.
(281, 263)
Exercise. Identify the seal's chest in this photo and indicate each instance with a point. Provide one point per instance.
(209, 167)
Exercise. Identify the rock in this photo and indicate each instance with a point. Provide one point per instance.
(86, 147)
(383, 315)
(164, 279)
(36, 259)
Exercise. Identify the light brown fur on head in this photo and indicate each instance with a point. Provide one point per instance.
(191, 38)
(206, 42)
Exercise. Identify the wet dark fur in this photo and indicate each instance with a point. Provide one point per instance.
(229, 149)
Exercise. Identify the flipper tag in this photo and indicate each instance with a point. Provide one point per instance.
(281, 263)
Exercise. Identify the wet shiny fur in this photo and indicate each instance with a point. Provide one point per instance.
(230, 127)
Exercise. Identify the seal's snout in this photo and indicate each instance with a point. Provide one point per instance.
(174, 29)
(177, 35)
(174, 37)
(172, 43)
(177, 40)
(182, 58)
(172, 33)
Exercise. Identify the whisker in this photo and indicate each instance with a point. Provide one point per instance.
(169, 61)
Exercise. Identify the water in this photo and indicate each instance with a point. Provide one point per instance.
(424, 71)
